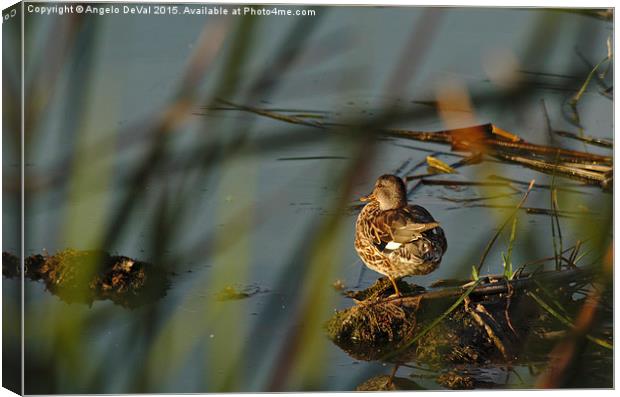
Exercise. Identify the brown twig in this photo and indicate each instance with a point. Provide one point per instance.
(477, 313)
(595, 178)
(492, 287)
(535, 210)
(475, 199)
(564, 187)
(506, 311)
(444, 182)
(586, 138)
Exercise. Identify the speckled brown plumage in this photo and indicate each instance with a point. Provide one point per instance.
(394, 238)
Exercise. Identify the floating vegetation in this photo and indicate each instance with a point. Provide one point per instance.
(86, 276)
(438, 167)
(461, 380)
(230, 292)
(490, 140)
(385, 383)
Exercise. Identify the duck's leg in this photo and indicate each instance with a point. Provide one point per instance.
(390, 383)
(396, 291)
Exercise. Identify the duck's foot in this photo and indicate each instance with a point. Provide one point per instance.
(360, 302)
(401, 288)
(382, 289)
(395, 285)
(376, 291)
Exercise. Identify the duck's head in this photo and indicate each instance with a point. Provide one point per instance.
(389, 192)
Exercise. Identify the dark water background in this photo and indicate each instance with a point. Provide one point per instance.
(260, 212)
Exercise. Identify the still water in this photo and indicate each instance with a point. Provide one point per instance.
(252, 213)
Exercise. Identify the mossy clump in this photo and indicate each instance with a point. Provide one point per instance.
(85, 276)
(69, 273)
(465, 378)
(385, 383)
(456, 339)
(10, 265)
(406, 328)
(456, 381)
(372, 324)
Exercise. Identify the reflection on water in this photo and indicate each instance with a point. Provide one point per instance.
(121, 156)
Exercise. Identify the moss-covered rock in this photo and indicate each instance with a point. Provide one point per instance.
(480, 330)
(85, 276)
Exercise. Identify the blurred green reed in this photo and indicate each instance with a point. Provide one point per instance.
(157, 346)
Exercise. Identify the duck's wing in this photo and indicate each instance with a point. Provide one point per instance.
(436, 235)
(420, 214)
(396, 227)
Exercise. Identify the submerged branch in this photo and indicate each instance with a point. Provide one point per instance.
(536, 211)
(604, 180)
(486, 139)
(586, 138)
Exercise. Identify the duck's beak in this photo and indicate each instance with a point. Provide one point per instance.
(370, 197)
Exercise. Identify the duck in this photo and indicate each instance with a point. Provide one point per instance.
(394, 238)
